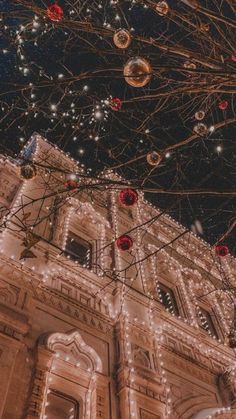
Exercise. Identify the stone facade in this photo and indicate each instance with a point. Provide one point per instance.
(121, 338)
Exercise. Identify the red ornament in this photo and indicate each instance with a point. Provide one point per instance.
(221, 250)
(71, 184)
(223, 105)
(55, 13)
(124, 242)
(128, 197)
(233, 58)
(115, 104)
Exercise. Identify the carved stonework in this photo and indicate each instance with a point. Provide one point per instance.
(141, 356)
(227, 385)
(36, 401)
(73, 310)
(144, 414)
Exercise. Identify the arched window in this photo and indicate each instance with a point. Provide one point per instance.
(61, 406)
(69, 379)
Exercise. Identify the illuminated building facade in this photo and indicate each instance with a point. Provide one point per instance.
(92, 332)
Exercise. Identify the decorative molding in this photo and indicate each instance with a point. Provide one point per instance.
(144, 414)
(75, 310)
(72, 345)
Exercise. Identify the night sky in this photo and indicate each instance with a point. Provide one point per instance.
(55, 76)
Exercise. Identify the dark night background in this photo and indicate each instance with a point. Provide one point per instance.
(55, 49)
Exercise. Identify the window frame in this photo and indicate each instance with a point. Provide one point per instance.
(73, 255)
(213, 322)
(175, 293)
(69, 398)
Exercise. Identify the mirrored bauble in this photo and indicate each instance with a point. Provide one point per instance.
(200, 129)
(221, 250)
(55, 13)
(115, 104)
(137, 72)
(199, 115)
(223, 105)
(122, 38)
(128, 197)
(124, 242)
(153, 158)
(28, 171)
(162, 8)
(71, 184)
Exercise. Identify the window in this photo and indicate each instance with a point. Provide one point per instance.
(79, 250)
(205, 322)
(61, 406)
(167, 298)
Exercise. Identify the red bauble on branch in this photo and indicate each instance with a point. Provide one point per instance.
(124, 242)
(55, 13)
(71, 184)
(115, 104)
(221, 250)
(223, 105)
(128, 197)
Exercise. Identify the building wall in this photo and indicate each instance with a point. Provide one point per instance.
(100, 339)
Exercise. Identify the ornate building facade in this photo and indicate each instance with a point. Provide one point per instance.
(88, 331)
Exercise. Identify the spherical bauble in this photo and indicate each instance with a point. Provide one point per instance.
(124, 242)
(115, 104)
(137, 72)
(128, 197)
(189, 65)
(153, 158)
(223, 105)
(162, 8)
(71, 184)
(55, 13)
(205, 27)
(199, 115)
(233, 58)
(200, 129)
(221, 250)
(122, 38)
(28, 171)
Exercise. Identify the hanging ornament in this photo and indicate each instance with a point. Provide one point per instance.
(223, 105)
(124, 242)
(189, 65)
(153, 158)
(205, 27)
(233, 58)
(200, 129)
(122, 38)
(221, 250)
(137, 72)
(199, 115)
(162, 8)
(115, 104)
(128, 197)
(71, 184)
(55, 13)
(28, 171)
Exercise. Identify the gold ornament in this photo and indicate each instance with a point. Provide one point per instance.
(199, 115)
(162, 8)
(205, 27)
(153, 158)
(189, 65)
(200, 129)
(137, 72)
(122, 38)
(28, 171)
